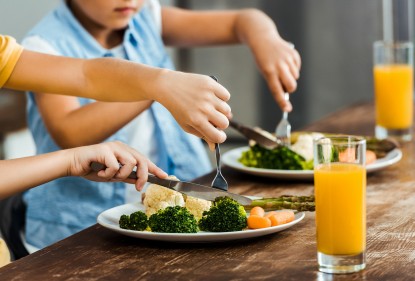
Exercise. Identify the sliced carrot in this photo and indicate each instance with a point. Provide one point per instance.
(348, 155)
(281, 217)
(370, 156)
(255, 222)
(257, 211)
(269, 214)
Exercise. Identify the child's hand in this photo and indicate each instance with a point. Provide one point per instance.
(112, 154)
(280, 65)
(276, 58)
(198, 103)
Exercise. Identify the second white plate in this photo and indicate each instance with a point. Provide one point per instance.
(231, 157)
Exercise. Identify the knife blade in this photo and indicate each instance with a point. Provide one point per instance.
(256, 135)
(188, 188)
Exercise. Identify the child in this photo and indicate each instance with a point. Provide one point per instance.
(130, 30)
(109, 79)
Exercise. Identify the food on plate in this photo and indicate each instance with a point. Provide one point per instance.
(225, 215)
(158, 197)
(256, 222)
(136, 221)
(300, 155)
(280, 217)
(349, 155)
(299, 203)
(175, 219)
(259, 219)
(281, 158)
(169, 211)
(258, 211)
(197, 206)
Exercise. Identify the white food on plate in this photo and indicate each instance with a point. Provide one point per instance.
(158, 197)
(304, 145)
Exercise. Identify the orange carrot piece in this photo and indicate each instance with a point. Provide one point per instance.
(370, 156)
(348, 155)
(255, 222)
(282, 217)
(269, 214)
(257, 211)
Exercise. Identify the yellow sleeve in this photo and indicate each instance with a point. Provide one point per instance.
(10, 52)
(4, 253)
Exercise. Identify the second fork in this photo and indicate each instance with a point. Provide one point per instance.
(283, 130)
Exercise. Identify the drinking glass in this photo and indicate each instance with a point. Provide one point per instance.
(340, 197)
(393, 83)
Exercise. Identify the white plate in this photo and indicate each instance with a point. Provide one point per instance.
(109, 219)
(231, 157)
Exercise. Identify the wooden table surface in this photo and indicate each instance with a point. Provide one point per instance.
(100, 254)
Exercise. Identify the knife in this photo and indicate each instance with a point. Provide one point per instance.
(261, 138)
(188, 188)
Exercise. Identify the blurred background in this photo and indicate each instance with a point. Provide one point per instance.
(334, 39)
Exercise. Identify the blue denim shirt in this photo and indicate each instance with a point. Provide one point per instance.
(64, 206)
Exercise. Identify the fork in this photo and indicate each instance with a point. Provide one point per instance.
(219, 181)
(283, 130)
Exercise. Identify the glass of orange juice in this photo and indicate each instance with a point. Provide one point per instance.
(340, 197)
(393, 83)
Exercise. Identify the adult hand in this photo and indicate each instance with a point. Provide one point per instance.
(198, 103)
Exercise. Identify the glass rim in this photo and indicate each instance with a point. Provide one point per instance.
(340, 140)
(394, 44)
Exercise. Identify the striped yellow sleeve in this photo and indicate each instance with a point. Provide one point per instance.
(10, 52)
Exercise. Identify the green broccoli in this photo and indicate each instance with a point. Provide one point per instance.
(225, 215)
(136, 221)
(173, 220)
(278, 158)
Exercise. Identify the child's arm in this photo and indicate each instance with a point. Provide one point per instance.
(20, 174)
(277, 60)
(72, 125)
(196, 101)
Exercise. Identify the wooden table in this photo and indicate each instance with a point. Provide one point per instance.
(99, 254)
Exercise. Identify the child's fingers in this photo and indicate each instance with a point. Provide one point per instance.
(153, 169)
(287, 79)
(142, 173)
(278, 93)
(220, 91)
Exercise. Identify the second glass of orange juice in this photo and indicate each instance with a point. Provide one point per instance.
(393, 84)
(340, 195)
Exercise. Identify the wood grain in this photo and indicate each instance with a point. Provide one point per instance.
(99, 254)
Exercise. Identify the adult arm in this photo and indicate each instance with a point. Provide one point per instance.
(196, 102)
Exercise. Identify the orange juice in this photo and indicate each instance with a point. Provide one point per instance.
(393, 95)
(340, 194)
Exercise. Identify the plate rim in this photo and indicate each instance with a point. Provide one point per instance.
(228, 159)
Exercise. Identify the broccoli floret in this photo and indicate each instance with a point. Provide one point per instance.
(224, 216)
(124, 221)
(277, 158)
(173, 220)
(136, 221)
